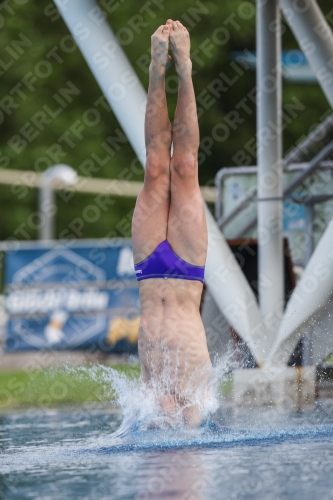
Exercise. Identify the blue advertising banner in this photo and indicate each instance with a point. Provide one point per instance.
(70, 296)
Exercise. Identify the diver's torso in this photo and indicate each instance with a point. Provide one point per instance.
(172, 338)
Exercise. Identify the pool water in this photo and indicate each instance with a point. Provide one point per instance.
(86, 453)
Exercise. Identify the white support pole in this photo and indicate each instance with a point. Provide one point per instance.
(46, 203)
(309, 298)
(314, 37)
(270, 237)
(127, 98)
(46, 199)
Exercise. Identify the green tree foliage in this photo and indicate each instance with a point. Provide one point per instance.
(39, 62)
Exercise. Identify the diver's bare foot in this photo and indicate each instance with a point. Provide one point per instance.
(180, 45)
(160, 59)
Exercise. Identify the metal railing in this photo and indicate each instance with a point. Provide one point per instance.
(297, 154)
(308, 200)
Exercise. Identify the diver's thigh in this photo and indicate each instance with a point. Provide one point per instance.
(149, 223)
(187, 228)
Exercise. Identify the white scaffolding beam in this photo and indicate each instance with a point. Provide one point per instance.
(314, 290)
(307, 301)
(314, 37)
(110, 67)
(269, 147)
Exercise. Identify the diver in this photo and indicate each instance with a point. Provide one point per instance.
(169, 236)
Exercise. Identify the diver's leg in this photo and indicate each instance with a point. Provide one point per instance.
(149, 224)
(187, 230)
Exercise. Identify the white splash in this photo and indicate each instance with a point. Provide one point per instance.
(140, 402)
